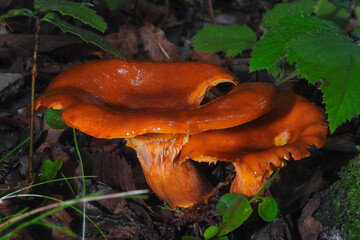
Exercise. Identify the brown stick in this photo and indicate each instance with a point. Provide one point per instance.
(32, 111)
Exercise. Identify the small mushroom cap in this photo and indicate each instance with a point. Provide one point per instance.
(288, 130)
(119, 99)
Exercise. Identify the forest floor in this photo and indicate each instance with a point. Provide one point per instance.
(300, 188)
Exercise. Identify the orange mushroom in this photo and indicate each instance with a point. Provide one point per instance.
(257, 147)
(156, 107)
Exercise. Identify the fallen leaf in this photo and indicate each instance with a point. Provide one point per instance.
(206, 57)
(309, 227)
(126, 40)
(8, 78)
(12, 45)
(155, 43)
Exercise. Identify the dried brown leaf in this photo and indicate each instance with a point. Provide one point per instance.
(309, 227)
(155, 43)
(206, 57)
(126, 40)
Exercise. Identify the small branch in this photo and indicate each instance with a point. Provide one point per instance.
(32, 111)
(211, 12)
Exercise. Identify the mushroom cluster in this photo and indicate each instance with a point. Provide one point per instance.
(156, 108)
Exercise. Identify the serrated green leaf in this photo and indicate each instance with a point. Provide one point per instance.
(76, 10)
(87, 36)
(326, 10)
(231, 39)
(211, 232)
(331, 12)
(113, 4)
(17, 12)
(283, 10)
(234, 216)
(54, 119)
(335, 60)
(273, 45)
(49, 169)
(356, 33)
(321, 51)
(268, 209)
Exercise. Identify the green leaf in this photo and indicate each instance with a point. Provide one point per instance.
(226, 200)
(282, 10)
(54, 120)
(18, 12)
(77, 10)
(191, 3)
(186, 237)
(268, 209)
(211, 232)
(335, 60)
(222, 238)
(273, 45)
(87, 36)
(49, 169)
(113, 4)
(320, 51)
(231, 39)
(234, 216)
(356, 32)
(326, 10)
(331, 12)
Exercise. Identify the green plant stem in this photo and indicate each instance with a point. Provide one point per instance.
(14, 149)
(265, 186)
(32, 110)
(83, 181)
(285, 79)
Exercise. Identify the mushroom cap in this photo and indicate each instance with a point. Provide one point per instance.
(288, 130)
(119, 99)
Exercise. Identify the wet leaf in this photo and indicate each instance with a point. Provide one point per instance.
(268, 209)
(54, 119)
(49, 169)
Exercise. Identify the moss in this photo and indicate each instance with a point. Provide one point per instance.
(346, 198)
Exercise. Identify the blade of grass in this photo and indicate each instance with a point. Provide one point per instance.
(56, 227)
(58, 206)
(83, 182)
(60, 201)
(67, 182)
(38, 184)
(14, 149)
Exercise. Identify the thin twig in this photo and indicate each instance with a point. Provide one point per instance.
(211, 12)
(32, 110)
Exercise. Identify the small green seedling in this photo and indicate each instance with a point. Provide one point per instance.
(235, 209)
(49, 170)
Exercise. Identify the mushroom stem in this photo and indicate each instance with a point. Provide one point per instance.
(246, 182)
(179, 184)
